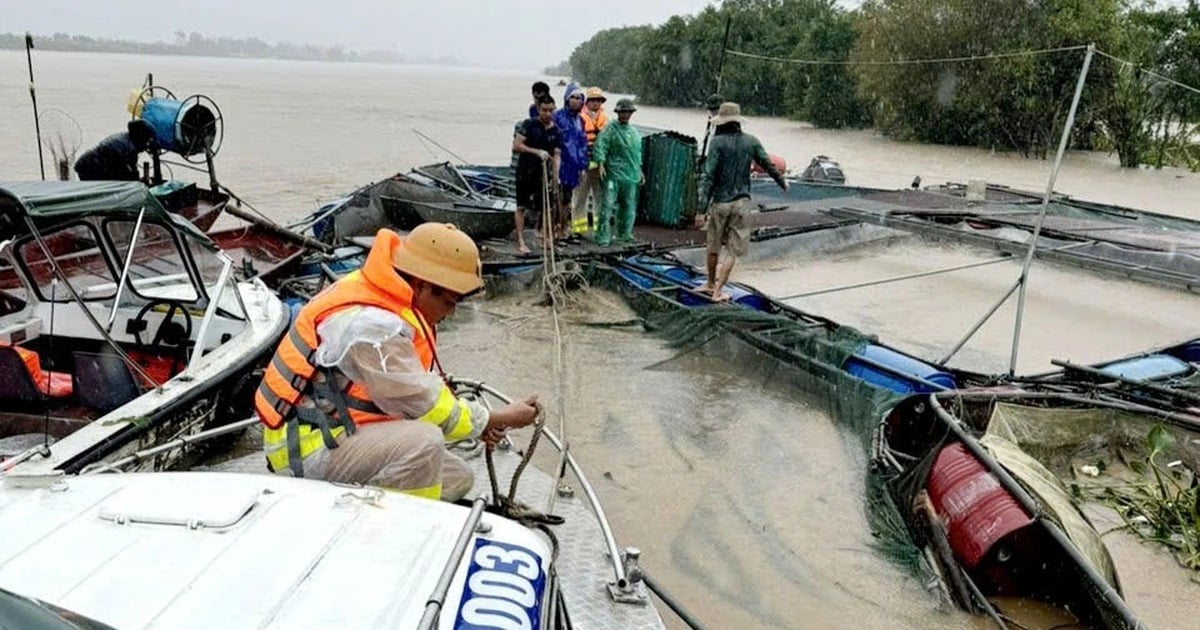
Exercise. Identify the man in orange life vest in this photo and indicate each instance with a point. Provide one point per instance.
(351, 395)
(594, 121)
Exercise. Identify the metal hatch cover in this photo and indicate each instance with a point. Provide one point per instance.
(187, 503)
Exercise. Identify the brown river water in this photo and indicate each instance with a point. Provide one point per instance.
(747, 501)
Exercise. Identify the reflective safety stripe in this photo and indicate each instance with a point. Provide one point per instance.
(579, 226)
(460, 423)
(441, 409)
(301, 345)
(286, 372)
(310, 441)
(452, 416)
(428, 492)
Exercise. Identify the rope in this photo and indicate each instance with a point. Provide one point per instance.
(555, 284)
(508, 505)
(1130, 64)
(907, 62)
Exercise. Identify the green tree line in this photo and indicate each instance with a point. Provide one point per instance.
(874, 69)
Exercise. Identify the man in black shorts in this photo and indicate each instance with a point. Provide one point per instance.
(538, 146)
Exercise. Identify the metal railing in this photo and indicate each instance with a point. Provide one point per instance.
(620, 579)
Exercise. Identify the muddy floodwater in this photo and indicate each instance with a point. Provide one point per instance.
(746, 500)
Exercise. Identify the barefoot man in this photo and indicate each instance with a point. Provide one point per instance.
(538, 146)
(725, 190)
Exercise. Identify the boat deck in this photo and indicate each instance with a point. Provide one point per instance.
(583, 563)
(500, 253)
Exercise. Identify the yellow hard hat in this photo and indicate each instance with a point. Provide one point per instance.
(595, 93)
(442, 255)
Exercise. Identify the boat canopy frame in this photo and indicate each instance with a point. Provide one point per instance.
(28, 210)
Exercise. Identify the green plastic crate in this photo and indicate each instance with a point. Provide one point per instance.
(669, 163)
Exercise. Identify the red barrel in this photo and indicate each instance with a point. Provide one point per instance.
(977, 510)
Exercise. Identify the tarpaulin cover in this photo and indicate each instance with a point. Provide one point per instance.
(48, 203)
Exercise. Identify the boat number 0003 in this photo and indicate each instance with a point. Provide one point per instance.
(503, 589)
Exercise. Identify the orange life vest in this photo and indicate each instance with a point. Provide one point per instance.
(289, 377)
(593, 124)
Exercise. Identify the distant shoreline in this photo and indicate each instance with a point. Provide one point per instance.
(196, 45)
(463, 67)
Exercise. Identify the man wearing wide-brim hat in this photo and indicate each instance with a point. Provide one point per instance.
(725, 192)
(594, 121)
(356, 394)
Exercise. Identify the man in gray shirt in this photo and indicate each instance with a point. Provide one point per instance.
(725, 190)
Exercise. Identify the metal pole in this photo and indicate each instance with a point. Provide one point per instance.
(974, 329)
(724, 47)
(133, 239)
(37, 124)
(672, 603)
(1037, 230)
(1153, 387)
(180, 442)
(441, 146)
(720, 77)
(433, 606)
(911, 276)
(211, 311)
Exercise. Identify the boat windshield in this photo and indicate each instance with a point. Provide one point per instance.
(76, 249)
(31, 614)
(158, 269)
(12, 290)
(209, 264)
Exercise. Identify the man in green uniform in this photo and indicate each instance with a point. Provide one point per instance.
(725, 193)
(618, 155)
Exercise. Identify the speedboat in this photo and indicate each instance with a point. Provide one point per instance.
(236, 547)
(121, 326)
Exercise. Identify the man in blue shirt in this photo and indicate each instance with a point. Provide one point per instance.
(538, 147)
(539, 90)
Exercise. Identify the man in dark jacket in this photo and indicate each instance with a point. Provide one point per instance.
(116, 156)
(725, 183)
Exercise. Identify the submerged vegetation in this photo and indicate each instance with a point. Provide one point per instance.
(836, 68)
(1161, 506)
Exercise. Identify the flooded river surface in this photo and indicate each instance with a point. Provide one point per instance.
(746, 500)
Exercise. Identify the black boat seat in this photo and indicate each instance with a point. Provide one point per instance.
(104, 381)
(16, 384)
(23, 379)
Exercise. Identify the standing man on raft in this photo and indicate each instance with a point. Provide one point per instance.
(725, 183)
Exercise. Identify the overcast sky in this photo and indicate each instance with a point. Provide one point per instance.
(527, 34)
